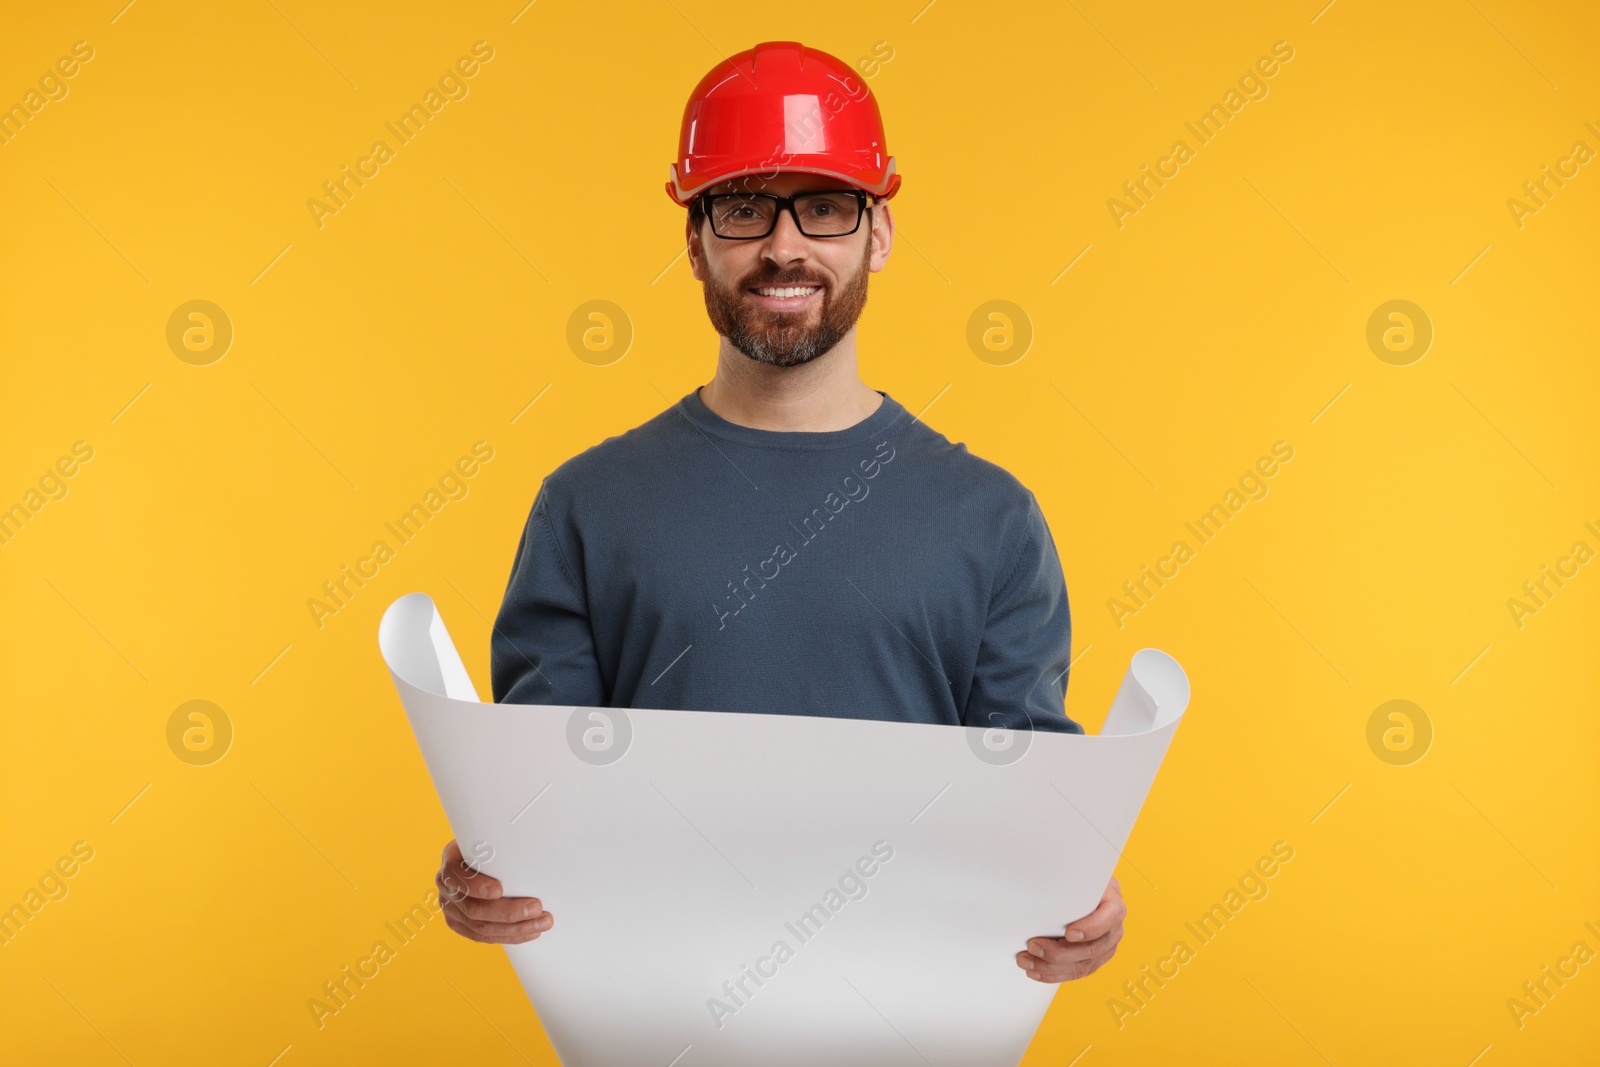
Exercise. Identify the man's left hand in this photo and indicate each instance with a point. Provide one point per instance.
(1088, 943)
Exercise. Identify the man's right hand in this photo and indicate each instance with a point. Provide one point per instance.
(475, 907)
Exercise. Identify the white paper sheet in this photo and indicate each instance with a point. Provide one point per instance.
(678, 850)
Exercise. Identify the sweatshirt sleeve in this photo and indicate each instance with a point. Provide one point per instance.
(1021, 678)
(542, 650)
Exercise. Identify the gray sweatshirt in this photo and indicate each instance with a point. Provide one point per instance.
(876, 572)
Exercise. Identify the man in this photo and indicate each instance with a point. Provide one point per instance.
(785, 539)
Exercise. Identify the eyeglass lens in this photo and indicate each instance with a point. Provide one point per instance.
(820, 214)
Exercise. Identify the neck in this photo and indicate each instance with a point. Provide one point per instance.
(822, 395)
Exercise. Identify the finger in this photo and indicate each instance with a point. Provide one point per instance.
(1106, 942)
(501, 933)
(509, 909)
(1099, 922)
(453, 886)
(465, 879)
(1055, 950)
(504, 910)
(460, 879)
(1054, 959)
(511, 933)
(1060, 972)
(1052, 974)
(494, 934)
(519, 940)
(517, 932)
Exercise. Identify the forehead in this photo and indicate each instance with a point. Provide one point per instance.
(783, 183)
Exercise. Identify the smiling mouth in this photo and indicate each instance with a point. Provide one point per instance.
(788, 290)
(784, 297)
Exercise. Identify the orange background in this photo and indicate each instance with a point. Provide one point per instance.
(1230, 312)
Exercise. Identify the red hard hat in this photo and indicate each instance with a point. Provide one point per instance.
(781, 106)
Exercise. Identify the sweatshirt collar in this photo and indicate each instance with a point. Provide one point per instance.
(876, 425)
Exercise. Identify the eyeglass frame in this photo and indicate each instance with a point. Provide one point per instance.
(864, 201)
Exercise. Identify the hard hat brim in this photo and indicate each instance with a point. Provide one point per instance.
(884, 189)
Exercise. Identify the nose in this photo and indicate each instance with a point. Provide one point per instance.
(786, 244)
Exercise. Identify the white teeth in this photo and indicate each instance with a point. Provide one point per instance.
(784, 294)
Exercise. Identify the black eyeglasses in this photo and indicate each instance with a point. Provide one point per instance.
(750, 216)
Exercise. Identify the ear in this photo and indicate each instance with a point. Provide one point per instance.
(696, 253)
(882, 235)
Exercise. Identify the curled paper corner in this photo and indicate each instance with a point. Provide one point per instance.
(417, 647)
(1154, 693)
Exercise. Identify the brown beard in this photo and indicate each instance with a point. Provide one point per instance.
(783, 338)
